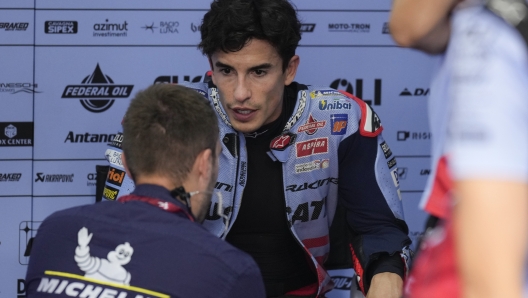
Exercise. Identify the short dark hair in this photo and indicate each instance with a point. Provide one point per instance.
(230, 24)
(165, 128)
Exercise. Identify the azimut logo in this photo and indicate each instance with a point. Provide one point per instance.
(18, 87)
(97, 91)
(16, 134)
(41, 177)
(108, 29)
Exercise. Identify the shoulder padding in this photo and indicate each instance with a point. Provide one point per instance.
(370, 125)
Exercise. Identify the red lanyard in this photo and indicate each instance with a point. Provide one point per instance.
(164, 205)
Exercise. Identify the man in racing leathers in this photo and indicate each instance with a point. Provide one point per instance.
(291, 155)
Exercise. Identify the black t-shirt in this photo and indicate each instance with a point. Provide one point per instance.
(261, 228)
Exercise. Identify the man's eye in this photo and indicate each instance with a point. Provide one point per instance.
(225, 71)
(260, 72)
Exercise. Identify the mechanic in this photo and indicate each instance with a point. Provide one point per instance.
(150, 244)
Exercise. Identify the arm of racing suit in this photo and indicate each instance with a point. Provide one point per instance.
(368, 189)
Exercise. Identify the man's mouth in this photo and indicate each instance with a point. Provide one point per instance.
(243, 115)
(243, 112)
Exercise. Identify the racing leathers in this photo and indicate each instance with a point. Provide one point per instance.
(332, 151)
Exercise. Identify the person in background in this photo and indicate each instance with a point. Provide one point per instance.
(479, 121)
(150, 243)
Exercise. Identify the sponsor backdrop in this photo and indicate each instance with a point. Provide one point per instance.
(69, 70)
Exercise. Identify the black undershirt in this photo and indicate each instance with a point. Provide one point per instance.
(261, 228)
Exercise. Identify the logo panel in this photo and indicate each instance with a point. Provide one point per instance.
(13, 26)
(61, 27)
(110, 193)
(10, 177)
(403, 135)
(312, 147)
(307, 27)
(56, 178)
(108, 29)
(115, 176)
(311, 126)
(14, 88)
(349, 27)
(17, 134)
(339, 123)
(312, 166)
(336, 104)
(386, 150)
(348, 87)
(97, 92)
(283, 141)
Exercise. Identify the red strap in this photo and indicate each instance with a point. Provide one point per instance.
(164, 205)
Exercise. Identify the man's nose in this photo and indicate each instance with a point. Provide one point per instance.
(242, 90)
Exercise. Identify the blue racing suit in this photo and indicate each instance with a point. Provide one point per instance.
(331, 151)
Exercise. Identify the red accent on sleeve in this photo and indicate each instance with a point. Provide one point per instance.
(359, 270)
(364, 114)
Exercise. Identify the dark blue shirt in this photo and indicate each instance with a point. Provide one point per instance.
(136, 250)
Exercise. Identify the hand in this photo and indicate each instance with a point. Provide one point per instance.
(385, 285)
(83, 237)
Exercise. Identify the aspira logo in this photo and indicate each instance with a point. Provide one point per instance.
(97, 91)
(41, 177)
